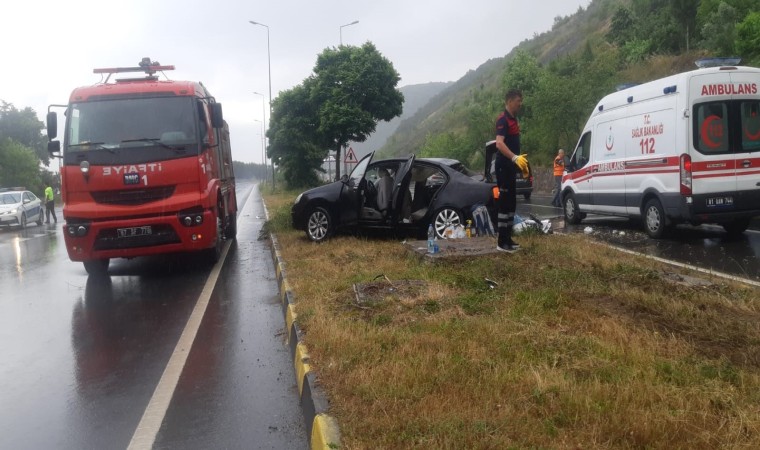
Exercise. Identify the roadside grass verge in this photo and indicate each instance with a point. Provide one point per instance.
(575, 346)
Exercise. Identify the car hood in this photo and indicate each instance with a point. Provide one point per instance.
(325, 191)
(6, 207)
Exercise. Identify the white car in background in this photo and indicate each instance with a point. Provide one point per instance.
(18, 207)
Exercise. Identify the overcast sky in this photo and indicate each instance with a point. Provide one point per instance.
(48, 47)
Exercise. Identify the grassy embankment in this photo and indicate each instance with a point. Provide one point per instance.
(578, 346)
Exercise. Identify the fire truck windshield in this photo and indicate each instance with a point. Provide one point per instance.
(164, 123)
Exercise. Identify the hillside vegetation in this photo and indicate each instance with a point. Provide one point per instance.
(566, 70)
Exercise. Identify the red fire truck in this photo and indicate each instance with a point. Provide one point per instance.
(147, 169)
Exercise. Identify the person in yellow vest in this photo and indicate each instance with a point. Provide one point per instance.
(50, 205)
(559, 170)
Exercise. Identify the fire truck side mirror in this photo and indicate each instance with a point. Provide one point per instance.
(217, 119)
(52, 125)
(54, 148)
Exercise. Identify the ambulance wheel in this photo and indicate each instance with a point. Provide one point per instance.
(736, 227)
(654, 219)
(573, 214)
(97, 267)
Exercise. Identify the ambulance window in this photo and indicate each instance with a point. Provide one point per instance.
(711, 128)
(750, 116)
(582, 152)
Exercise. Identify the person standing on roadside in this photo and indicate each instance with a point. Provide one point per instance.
(508, 162)
(50, 204)
(559, 170)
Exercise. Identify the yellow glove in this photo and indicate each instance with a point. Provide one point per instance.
(521, 161)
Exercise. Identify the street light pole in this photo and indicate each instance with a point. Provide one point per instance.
(263, 136)
(263, 148)
(341, 30)
(269, 65)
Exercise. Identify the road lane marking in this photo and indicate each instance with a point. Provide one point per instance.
(145, 435)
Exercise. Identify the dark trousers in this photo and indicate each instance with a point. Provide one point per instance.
(506, 171)
(558, 187)
(50, 209)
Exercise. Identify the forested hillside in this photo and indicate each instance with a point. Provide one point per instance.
(566, 70)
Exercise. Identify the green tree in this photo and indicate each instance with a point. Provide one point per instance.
(354, 88)
(19, 166)
(295, 142)
(622, 27)
(685, 14)
(24, 127)
(719, 32)
(748, 39)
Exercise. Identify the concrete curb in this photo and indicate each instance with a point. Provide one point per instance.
(323, 429)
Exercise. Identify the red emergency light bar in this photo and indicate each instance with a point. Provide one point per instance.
(145, 65)
(150, 70)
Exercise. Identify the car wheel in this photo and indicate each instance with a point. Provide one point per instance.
(736, 227)
(654, 219)
(527, 196)
(319, 225)
(97, 267)
(41, 218)
(444, 218)
(573, 214)
(22, 224)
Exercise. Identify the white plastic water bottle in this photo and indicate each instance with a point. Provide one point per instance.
(431, 239)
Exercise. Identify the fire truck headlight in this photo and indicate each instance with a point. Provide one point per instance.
(187, 221)
(84, 166)
(77, 230)
(198, 219)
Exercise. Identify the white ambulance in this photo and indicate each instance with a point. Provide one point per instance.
(681, 149)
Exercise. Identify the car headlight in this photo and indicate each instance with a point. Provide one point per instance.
(298, 199)
(13, 211)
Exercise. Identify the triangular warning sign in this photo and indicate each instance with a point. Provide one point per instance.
(350, 156)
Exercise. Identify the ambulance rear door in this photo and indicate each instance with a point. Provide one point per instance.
(713, 161)
(746, 94)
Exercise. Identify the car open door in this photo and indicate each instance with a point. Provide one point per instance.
(353, 191)
(400, 188)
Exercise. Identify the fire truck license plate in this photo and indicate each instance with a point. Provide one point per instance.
(720, 201)
(133, 231)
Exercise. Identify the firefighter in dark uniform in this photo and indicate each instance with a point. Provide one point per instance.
(508, 162)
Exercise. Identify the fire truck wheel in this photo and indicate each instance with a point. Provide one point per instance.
(654, 219)
(97, 267)
(572, 212)
(215, 252)
(231, 231)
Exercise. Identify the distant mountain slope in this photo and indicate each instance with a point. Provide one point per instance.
(567, 36)
(415, 96)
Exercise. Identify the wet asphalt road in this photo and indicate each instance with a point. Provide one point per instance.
(80, 357)
(706, 246)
